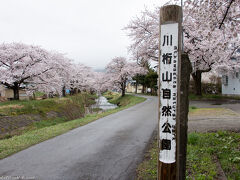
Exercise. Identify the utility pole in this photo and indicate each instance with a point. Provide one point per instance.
(174, 74)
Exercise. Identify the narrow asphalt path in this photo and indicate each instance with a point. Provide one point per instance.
(107, 149)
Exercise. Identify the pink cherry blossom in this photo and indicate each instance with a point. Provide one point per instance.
(119, 71)
(211, 35)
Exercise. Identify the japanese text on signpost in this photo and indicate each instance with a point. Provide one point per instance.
(168, 92)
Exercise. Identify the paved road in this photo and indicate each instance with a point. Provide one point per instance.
(109, 148)
(230, 104)
(214, 122)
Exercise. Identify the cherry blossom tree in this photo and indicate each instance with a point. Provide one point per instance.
(119, 71)
(143, 30)
(211, 35)
(58, 78)
(101, 82)
(82, 78)
(30, 67)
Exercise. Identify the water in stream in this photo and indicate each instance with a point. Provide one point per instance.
(103, 104)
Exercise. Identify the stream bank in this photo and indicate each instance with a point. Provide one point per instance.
(16, 117)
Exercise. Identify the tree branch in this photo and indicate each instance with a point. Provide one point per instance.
(6, 84)
(225, 15)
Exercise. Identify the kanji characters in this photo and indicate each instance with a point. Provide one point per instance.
(167, 128)
(168, 77)
(165, 77)
(166, 111)
(166, 93)
(167, 40)
(166, 144)
(167, 58)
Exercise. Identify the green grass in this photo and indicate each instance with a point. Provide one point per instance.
(193, 138)
(34, 126)
(63, 109)
(212, 96)
(39, 94)
(226, 146)
(46, 123)
(145, 94)
(125, 100)
(147, 170)
(200, 164)
(31, 137)
(111, 95)
(201, 150)
(116, 98)
(191, 96)
(192, 108)
(14, 108)
(26, 107)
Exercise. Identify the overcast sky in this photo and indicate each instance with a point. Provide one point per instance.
(88, 31)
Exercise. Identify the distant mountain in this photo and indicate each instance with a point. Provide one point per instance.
(99, 70)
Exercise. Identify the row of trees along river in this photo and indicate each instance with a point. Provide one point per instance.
(211, 40)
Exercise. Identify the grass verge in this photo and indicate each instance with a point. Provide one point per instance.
(203, 97)
(211, 112)
(29, 138)
(202, 150)
(192, 108)
(116, 98)
(15, 108)
(212, 97)
(17, 117)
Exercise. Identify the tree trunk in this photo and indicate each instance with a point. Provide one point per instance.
(143, 89)
(16, 91)
(197, 77)
(136, 87)
(34, 96)
(64, 91)
(123, 92)
(71, 91)
(123, 88)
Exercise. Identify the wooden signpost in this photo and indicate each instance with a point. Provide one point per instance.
(173, 95)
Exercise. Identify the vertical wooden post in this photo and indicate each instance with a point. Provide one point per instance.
(172, 110)
(186, 69)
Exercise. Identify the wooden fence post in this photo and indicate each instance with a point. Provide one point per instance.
(174, 76)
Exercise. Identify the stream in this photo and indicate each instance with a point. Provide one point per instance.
(103, 104)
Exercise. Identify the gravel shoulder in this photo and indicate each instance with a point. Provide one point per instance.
(214, 115)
